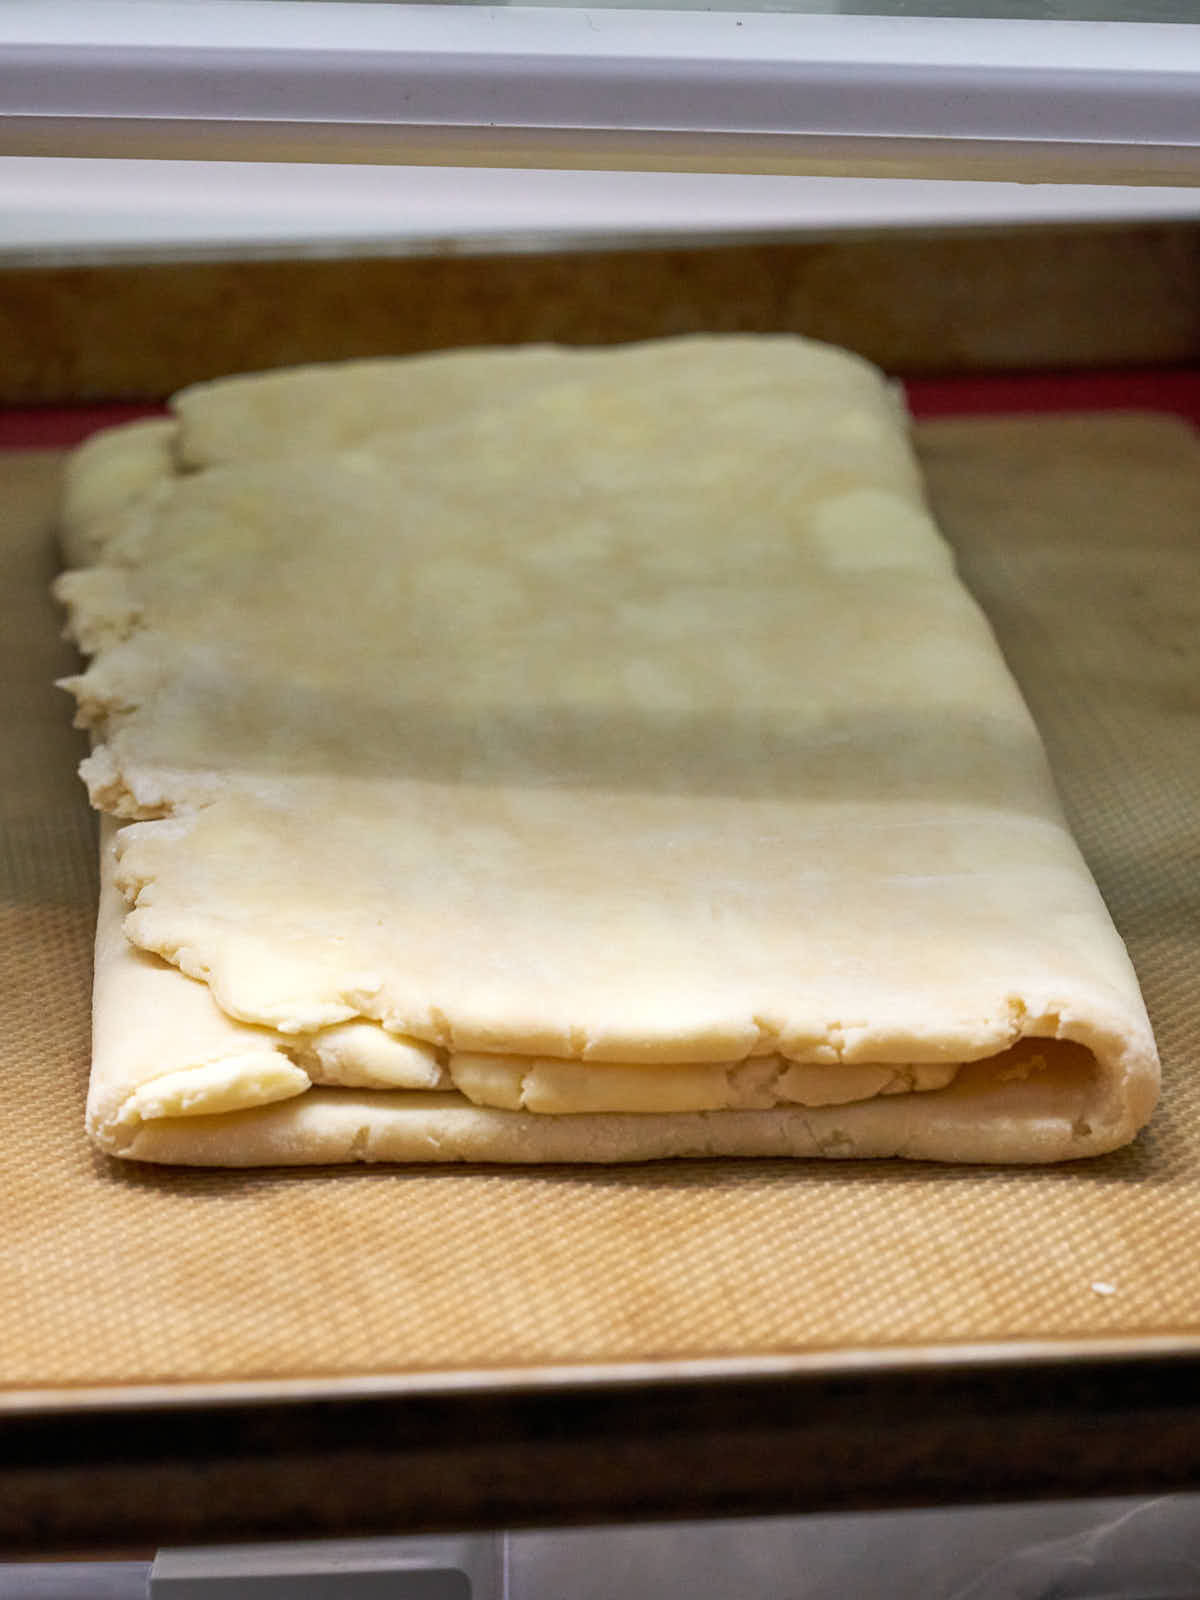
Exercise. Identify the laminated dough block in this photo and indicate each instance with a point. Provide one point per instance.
(570, 756)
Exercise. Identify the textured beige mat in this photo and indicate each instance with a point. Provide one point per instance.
(1082, 539)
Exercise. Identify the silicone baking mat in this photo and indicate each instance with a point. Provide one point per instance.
(1081, 537)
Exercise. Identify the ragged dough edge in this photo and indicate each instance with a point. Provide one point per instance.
(162, 1048)
(102, 611)
(117, 482)
(106, 477)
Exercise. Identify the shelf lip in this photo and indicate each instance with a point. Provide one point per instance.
(404, 70)
(390, 1461)
(1024, 160)
(1148, 1356)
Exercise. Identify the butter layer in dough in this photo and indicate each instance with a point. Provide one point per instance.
(665, 734)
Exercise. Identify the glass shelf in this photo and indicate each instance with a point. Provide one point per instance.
(1056, 91)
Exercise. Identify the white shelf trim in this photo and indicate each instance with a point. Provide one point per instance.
(233, 65)
(271, 60)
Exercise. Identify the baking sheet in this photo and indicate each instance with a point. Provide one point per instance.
(1081, 536)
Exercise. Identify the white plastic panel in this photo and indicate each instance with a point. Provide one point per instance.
(1121, 1549)
(567, 86)
(445, 1567)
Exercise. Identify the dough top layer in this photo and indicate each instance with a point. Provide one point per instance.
(614, 706)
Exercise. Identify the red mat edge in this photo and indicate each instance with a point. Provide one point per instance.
(1142, 389)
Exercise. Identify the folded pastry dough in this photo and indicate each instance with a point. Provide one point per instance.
(543, 755)
(174, 1079)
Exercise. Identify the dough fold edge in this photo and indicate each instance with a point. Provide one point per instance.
(974, 1120)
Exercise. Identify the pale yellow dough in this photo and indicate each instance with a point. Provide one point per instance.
(538, 713)
(109, 479)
